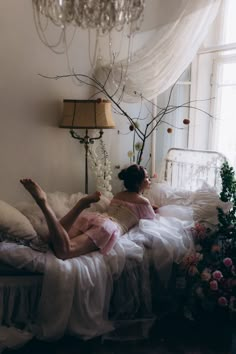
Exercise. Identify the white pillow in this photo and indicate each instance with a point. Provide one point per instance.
(14, 223)
(61, 203)
(204, 201)
(161, 194)
(205, 204)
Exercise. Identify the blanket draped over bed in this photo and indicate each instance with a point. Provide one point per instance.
(76, 293)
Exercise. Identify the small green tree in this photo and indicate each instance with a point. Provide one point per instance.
(227, 221)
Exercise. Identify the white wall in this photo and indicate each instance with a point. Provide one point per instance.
(31, 144)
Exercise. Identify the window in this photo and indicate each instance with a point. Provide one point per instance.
(214, 80)
(224, 86)
(174, 120)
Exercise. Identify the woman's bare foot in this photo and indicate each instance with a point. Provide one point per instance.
(34, 189)
(89, 199)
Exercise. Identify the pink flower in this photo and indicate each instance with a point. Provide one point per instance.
(206, 275)
(193, 270)
(222, 301)
(228, 262)
(200, 231)
(215, 248)
(217, 275)
(214, 285)
(200, 228)
(198, 257)
(189, 260)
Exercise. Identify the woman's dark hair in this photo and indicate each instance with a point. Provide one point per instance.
(133, 176)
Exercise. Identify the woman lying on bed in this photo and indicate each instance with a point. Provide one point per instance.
(79, 233)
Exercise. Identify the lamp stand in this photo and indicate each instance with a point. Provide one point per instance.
(86, 140)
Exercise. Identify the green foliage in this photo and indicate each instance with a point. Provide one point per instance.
(210, 271)
(227, 222)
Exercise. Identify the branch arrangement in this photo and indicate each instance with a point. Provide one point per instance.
(154, 120)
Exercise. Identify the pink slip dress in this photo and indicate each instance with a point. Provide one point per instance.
(104, 229)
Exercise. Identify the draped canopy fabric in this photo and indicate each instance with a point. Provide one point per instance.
(160, 62)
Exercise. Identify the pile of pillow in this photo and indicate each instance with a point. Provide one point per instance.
(25, 223)
(14, 223)
(15, 227)
(204, 201)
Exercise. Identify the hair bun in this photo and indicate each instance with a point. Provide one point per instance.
(122, 174)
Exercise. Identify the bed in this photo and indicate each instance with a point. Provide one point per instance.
(105, 296)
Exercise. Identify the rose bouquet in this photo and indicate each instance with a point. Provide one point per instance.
(210, 271)
(210, 277)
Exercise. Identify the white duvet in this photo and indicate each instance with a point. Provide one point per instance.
(76, 293)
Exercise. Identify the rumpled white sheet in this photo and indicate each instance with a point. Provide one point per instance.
(168, 237)
(76, 293)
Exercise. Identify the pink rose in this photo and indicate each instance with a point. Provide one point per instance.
(200, 228)
(222, 301)
(199, 257)
(187, 261)
(215, 248)
(192, 270)
(228, 262)
(206, 276)
(214, 285)
(217, 275)
(199, 231)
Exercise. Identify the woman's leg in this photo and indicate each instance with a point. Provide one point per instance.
(68, 220)
(80, 245)
(64, 248)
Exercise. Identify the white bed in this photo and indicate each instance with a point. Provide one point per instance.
(88, 296)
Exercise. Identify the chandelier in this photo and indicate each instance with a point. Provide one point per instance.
(102, 15)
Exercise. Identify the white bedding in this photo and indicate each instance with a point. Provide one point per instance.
(76, 293)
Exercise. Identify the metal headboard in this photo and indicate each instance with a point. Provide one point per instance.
(187, 169)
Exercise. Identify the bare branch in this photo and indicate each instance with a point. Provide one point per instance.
(154, 120)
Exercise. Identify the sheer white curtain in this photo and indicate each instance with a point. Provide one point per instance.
(159, 64)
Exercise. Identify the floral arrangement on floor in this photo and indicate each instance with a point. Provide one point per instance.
(210, 272)
(101, 167)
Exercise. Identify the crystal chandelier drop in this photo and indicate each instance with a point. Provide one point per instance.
(104, 15)
(114, 22)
